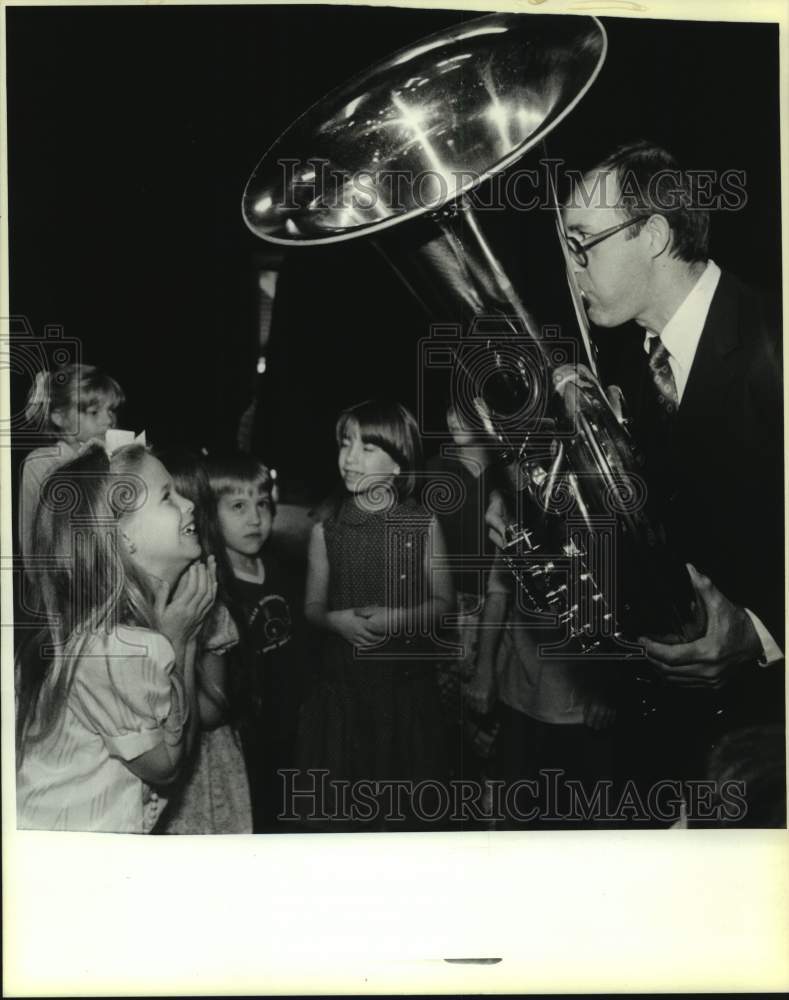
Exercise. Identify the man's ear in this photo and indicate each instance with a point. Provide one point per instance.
(659, 232)
(397, 469)
(58, 418)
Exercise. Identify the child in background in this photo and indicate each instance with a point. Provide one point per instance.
(370, 583)
(73, 406)
(555, 715)
(213, 797)
(461, 472)
(107, 709)
(261, 603)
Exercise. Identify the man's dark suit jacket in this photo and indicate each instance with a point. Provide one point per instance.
(718, 476)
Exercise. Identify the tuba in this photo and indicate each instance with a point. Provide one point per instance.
(397, 155)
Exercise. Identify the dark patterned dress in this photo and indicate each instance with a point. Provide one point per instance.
(214, 795)
(375, 714)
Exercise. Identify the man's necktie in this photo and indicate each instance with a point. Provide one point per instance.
(663, 377)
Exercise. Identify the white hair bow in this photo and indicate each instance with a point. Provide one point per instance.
(116, 438)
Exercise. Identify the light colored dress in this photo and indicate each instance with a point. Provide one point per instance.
(35, 469)
(125, 699)
(214, 796)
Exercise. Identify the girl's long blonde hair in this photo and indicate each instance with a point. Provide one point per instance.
(85, 581)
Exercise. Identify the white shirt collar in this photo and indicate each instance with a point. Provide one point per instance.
(681, 335)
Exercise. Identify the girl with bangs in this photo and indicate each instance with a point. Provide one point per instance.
(73, 406)
(374, 592)
(106, 699)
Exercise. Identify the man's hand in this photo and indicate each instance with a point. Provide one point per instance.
(599, 713)
(730, 641)
(580, 375)
(480, 692)
(583, 377)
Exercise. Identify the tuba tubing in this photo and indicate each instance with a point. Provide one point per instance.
(453, 110)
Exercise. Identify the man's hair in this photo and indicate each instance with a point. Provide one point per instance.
(651, 182)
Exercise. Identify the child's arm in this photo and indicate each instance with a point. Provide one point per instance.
(179, 620)
(218, 636)
(34, 473)
(161, 764)
(212, 690)
(480, 690)
(316, 594)
(437, 573)
(135, 698)
(348, 624)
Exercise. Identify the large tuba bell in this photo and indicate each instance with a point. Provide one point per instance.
(413, 138)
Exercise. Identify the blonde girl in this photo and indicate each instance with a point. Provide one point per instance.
(71, 406)
(107, 705)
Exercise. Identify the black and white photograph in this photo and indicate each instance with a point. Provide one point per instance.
(394, 439)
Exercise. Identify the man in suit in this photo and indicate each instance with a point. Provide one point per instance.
(700, 374)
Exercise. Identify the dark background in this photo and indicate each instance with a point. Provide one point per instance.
(132, 132)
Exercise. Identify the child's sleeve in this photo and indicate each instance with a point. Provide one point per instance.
(132, 697)
(34, 472)
(220, 633)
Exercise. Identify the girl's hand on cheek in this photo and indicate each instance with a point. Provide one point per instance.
(180, 617)
(172, 618)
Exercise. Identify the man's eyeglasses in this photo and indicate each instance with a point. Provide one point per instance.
(578, 248)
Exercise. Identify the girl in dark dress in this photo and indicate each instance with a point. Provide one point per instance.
(375, 584)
